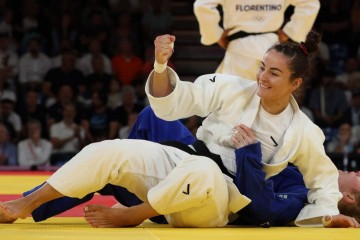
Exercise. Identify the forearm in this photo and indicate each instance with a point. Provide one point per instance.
(160, 84)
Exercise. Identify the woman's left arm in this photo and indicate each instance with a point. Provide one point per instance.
(320, 177)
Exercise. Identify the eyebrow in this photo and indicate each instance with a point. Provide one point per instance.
(276, 69)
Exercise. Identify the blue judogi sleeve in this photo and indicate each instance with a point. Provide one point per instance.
(275, 201)
(152, 128)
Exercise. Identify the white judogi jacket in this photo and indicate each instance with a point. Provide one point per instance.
(252, 16)
(228, 101)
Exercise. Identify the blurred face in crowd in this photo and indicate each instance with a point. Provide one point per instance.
(3, 134)
(69, 112)
(98, 64)
(68, 61)
(4, 43)
(31, 98)
(65, 94)
(7, 108)
(34, 47)
(34, 130)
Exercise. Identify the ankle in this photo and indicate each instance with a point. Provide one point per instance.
(134, 218)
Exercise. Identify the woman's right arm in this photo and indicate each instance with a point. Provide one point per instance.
(160, 85)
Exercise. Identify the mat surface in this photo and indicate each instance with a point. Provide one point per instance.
(74, 227)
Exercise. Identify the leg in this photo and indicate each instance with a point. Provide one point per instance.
(195, 198)
(22, 207)
(116, 161)
(56, 206)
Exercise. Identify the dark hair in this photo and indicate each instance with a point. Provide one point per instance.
(299, 58)
(351, 210)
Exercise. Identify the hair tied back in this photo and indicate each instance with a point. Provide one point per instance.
(303, 48)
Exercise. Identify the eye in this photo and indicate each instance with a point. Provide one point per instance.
(261, 69)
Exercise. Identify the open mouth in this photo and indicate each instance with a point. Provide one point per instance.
(263, 86)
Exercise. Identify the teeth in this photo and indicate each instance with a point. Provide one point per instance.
(263, 86)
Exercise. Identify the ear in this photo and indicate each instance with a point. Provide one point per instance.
(296, 83)
(348, 197)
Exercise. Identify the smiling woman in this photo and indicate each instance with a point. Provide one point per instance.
(285, 70)
(199, 187)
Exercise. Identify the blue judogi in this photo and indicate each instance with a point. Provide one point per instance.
(275, 201)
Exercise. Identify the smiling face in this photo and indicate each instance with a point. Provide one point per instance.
(275, 85)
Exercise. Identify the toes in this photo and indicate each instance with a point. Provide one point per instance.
(93, 207)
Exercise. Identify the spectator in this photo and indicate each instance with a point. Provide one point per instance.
(114, 94)
(66, 74)
(328, 102)
(65, 28)
(125, 28)
(8, 152)
(34, 151)
(342, 143)
(95, 50)
(126, 65)
(65, 45)
(33, 65)
(9, 115)
(343, 79)
(125, 130)
(335, 24)
(33, 110)
(156, 21)
(99, 79)
(8, 61)
(355, 31)
(7, 22)
(352, 114)
(97, 121)
(67, 137)
(129, 105)
(354, 81)
(55, 111)
(5, 91)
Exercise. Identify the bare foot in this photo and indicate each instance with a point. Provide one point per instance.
(15, 209)
(106, 217)
(5, 219)
(118, 205)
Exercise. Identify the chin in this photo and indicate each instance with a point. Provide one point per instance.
(260, 93)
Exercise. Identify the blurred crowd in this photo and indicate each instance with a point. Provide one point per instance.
(72, 72)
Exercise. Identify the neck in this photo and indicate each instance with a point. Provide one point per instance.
(68, 122)
(35, 141)
(274, 107)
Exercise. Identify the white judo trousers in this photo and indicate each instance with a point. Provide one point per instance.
(189, 190)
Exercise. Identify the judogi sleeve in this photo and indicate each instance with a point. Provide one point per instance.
(302, 20)
(149, 127)
(269, 206)
(320, 177)
(208, 18)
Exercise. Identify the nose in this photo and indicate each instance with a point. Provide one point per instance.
(262, 76)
